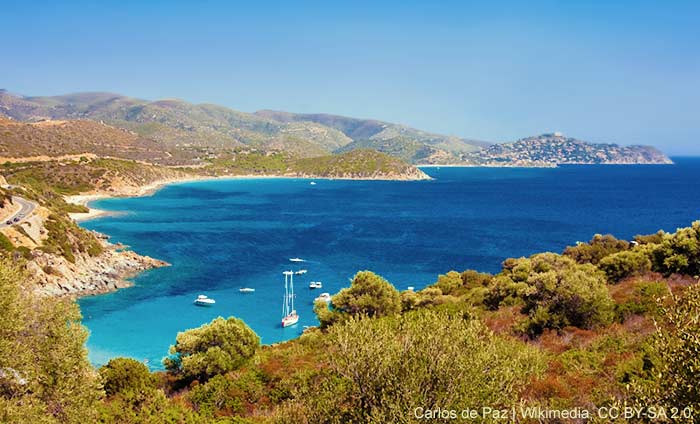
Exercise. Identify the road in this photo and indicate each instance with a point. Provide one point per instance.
(26, 208)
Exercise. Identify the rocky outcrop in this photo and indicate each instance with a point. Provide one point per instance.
(56, 276)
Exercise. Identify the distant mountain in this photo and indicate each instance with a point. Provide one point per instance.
(557, 149)
(178, 132)
(178, 123)
(407, 143)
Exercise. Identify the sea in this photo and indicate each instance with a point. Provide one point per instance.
(222, 235)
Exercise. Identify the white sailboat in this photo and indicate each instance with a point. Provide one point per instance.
(289, 314)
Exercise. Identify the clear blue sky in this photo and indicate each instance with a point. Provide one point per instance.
(618, 71)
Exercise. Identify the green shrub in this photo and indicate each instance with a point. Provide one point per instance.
(678, 252)
(674, 347)
(423, 359)
(127, 377)
(599, 247)
(368, 294)
(621, 265)
(555, 291)
(215, 348)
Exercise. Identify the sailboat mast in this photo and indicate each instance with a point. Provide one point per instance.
(284, 303)
(291, 295)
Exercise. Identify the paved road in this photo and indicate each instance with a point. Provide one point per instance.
(25, 210)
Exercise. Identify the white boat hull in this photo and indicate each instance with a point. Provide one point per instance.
(290, 320)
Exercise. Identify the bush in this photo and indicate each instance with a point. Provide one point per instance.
(368, 294)
(675, 347)
(644, 300)
(599, 247)
(555, 291)
(621, 265)
(127, 377)
(215, 348)
(424, 359)
(678, 252)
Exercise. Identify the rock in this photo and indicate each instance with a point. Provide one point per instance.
(88, 275)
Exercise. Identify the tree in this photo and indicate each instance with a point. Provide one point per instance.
(368, 294)
(45, 375)
(215, 348)
(621, 265)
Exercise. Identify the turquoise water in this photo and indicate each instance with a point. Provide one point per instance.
(223, 235)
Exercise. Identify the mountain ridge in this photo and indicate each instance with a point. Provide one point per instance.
(204, 130)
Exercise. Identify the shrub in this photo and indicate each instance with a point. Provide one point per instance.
(675, 346)
(621, 265)
(556, 292)
(127, 377)
(599, 247)
(424, 359)
(678, 252)
(368, 294)
(215, 348)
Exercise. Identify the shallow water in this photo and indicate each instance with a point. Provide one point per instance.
(223, 235)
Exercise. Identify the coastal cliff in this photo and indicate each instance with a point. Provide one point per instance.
(55, 276)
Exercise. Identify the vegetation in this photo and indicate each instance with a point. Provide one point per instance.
(673, 379)
(607, 323)
(368, 295)
(216, 348)
(45, 376)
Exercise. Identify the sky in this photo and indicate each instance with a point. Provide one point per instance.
(605, 71)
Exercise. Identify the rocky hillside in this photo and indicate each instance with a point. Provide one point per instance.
(557, 149)
(54, 139)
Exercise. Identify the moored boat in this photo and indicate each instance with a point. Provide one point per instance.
(315, 285)
(203, 300)
(246, 290)
(323, 297)
(289, 314)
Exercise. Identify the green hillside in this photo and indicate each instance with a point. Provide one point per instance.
(408, 143)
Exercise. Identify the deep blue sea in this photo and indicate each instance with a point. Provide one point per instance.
(226, 234)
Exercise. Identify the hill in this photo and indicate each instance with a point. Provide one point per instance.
(176, 132)
(176, 123)
(54, 139)
(413, 145)
(557, 149)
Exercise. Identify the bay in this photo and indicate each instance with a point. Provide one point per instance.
(221, 235)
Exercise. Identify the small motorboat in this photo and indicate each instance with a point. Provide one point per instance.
(324, 297)
(312, 183)
(203, 300)
(246, 290)
(315, 285)
(300, 272)
(297, 260)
